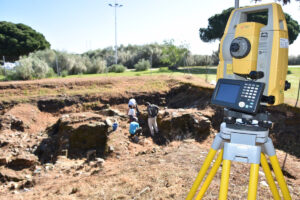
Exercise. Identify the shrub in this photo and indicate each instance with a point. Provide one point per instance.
(116, 68)
(48, 55)
(65, 62)
(40, 68)
(142, 65)
(73, 64)
(98, 65)
(78, 65)
(64, 73)
(10, 75)
(87, 62)
(50, 73)
(30, 68)
(24, 70)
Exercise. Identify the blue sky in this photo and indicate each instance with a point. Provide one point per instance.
(81, 25)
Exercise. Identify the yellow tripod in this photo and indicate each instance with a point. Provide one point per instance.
(244, 146)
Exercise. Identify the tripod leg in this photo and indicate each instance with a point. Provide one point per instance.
(211, 154)
(252, 188)
(280, 178)
(224, 180)
(210, 176)
(270, 180)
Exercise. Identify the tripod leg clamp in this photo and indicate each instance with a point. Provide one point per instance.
(218, 142)
(268, 148)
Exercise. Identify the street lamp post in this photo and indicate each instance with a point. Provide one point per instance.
(116, 5)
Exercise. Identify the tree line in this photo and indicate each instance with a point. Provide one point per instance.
(159, 55)
(49, 63)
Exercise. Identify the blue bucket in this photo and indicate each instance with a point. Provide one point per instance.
(115, 126)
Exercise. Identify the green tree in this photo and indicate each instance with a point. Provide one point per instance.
(285, 1)
(18, 40)
(217, 24)
(173, 55)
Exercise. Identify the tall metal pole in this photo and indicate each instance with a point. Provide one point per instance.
(116, 5)
(116, 43)
(56, 61)
(4, 66)
(237, 4)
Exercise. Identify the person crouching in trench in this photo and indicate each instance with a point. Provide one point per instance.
(135, 130)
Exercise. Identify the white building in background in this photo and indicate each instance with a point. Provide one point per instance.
(9, 65)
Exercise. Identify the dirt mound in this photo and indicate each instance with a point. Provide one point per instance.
(184, 123)
(27, 117)
(75, 134)
(178, 124)
(21, 131)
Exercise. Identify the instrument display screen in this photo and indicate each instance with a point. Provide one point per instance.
(228, 93)
(238, 95)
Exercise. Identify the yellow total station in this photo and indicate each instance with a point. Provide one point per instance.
(252, 70)
(252, 50)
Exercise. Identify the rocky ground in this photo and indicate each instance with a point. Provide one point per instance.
(63, 147)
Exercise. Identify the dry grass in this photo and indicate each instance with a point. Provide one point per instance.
(24, 91)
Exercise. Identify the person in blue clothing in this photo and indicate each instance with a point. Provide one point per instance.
(135, 130)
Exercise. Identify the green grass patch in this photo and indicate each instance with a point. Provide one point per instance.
(293, 77)
(207, 73)
(113, 74)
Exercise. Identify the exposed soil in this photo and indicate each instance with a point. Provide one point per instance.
(34, 120)
(144, 170)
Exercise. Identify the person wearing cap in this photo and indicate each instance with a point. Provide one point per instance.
(132, 103)
(152, 111)
(133, 110)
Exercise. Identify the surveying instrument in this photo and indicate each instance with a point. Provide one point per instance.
(251, 76)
